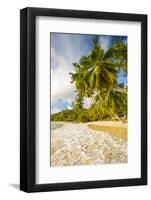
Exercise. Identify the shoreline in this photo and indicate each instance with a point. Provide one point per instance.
(101, 123)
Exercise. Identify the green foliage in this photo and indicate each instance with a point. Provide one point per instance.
(76, 115)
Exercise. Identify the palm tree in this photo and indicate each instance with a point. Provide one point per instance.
(96, 74)
(106, 65)
(119, 53)
(81, 79)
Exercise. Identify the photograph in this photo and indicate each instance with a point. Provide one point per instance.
(88, 99)
(83, 99)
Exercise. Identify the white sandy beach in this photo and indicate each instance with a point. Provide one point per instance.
(76, 144)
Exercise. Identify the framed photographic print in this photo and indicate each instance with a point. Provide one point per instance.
(83, 95)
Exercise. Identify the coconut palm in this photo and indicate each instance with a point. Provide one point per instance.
(81, 79)
(96, 75)
(106, 65)
(119, 54)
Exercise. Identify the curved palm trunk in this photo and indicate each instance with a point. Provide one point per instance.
(97, 81)
(87, 107)
(108, 108)
(93, 100)
(96, 108)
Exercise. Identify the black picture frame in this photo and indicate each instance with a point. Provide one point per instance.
(28, 99)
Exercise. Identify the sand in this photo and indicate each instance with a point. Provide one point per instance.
(76, 144)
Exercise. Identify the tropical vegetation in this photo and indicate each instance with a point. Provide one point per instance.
(95, 78)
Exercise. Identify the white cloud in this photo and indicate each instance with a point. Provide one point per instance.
(105, 42)
(61, 88)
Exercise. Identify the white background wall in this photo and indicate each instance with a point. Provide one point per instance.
(9, 98)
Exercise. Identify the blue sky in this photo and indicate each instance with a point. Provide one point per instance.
(65, 50)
